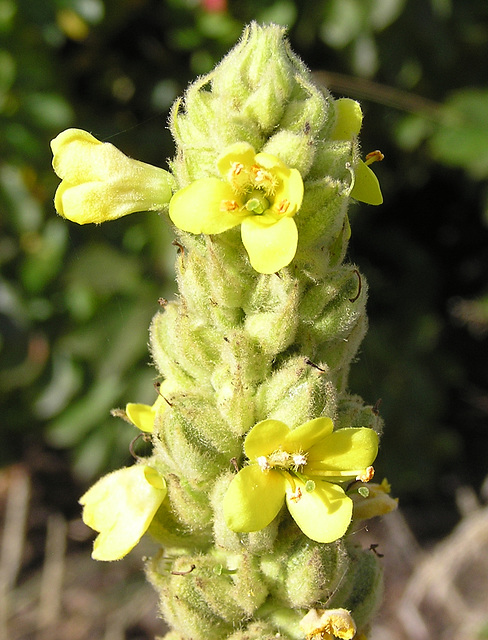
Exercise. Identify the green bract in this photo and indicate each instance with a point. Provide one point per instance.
(303, 466)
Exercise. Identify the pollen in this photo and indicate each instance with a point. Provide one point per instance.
(229, 205)
(236, 168)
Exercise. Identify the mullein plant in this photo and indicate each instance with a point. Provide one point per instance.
(261, 458)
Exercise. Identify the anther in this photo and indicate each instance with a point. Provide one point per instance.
(296, 495)
(367, 475)
(283, 206)
(236, 168)
(374, 156)
(229, 205)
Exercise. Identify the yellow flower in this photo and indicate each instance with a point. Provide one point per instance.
(304, 467)
(121, 506)
(100, 183)
(372, 500)
(327, 624)
(258, 192)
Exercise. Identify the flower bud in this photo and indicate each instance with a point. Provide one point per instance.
(194, 441)
(363, 594)
(295, 393)
(255, 97)
(207, 596)
(271, 315)
(304, 572)
(259, 630)
(181, 349)
(235, 378)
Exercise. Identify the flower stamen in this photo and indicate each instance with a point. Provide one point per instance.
(367, 475)
(374, 156)
(283, 206)
(229, 205)
(296, 495)
(263, 179)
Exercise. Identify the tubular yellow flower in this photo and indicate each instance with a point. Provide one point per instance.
(304, 466)
(121, 506)
(100, 183)
(258, 192)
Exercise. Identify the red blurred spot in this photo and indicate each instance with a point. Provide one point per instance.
(214, 6)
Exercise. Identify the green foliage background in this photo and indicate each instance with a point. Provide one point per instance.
(75, 302)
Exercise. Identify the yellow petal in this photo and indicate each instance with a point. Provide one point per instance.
(378, 502)
(270, 246)
(142, 415)
(269, 162)
(325, 623)
(253, 499)
(290, 190)
(74, 153)
(366, 186)
(121, 506)
(344, 449)
(96, 202)
(265, 437)
(240, 152)
(201, 207)
(308, 434)
(323, 514)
